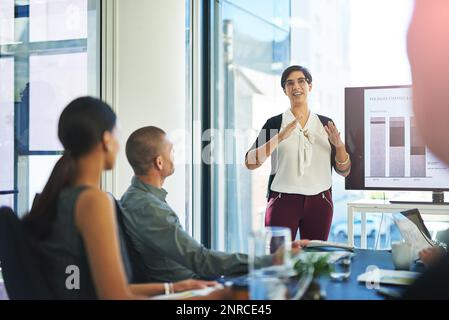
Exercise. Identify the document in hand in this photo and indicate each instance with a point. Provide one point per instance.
(412, 234)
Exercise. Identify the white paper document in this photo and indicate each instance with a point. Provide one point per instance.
(383, 276)
(411, 234)
(328, 244)
(188, 294)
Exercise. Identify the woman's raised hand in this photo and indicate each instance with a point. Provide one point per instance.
(334, 135)
(287, 131)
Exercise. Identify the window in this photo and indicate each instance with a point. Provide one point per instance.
(253, 41)
(7, 130)
(341, 42)
(7, 21)
(55, 20)
(49, 55)
(55, 80)
(189, 118)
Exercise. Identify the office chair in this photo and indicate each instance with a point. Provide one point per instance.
(133, 260)
(22, 275)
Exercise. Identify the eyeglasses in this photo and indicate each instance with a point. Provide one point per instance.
(302, 82)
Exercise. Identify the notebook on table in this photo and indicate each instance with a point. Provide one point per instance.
(383, 276)
(329, 245)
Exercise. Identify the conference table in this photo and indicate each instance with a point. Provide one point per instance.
(350, 289)
(363, 261)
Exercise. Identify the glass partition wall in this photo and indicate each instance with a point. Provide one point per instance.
(342, 43)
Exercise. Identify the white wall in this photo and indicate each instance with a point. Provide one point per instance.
(149, 80)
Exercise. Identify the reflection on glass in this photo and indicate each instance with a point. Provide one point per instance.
(7, 123)
(6, 21)
(55, 80)
(52, 20)
(255, 42)
(273, 13)
(341, 269)
(255, 50)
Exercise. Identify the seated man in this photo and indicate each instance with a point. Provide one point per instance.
(168, 253)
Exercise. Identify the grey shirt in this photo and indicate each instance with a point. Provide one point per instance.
(168, 252)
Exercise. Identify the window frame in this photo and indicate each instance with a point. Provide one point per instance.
(21, 53)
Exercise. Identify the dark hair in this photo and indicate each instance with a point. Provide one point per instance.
(291, 69)
(142, 147)
(81, 126)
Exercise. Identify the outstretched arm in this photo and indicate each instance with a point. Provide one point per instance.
(256, 157)
(95, 218)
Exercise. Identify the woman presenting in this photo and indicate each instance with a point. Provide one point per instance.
(304, 147)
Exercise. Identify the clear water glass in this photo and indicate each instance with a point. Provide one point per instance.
(341, 269)
(269, 282)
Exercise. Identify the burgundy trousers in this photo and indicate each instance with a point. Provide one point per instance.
(311, 214)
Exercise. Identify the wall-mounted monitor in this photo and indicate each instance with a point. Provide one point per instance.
(386, 149)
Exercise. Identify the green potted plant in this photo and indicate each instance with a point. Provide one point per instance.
(319, 265)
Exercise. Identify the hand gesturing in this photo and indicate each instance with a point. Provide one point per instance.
(333, 134)
(287, 131)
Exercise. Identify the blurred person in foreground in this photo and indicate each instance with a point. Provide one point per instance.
(428, 51)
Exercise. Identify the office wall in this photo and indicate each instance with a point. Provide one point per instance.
(149, 80)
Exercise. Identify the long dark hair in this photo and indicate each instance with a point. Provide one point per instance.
(81, 126)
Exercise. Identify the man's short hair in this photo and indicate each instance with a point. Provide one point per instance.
(142, 147)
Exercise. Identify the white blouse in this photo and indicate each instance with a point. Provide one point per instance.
(303, 164)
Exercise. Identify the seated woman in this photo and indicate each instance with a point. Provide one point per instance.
(73, 221)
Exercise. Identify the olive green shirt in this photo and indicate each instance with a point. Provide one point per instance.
(168, 252)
